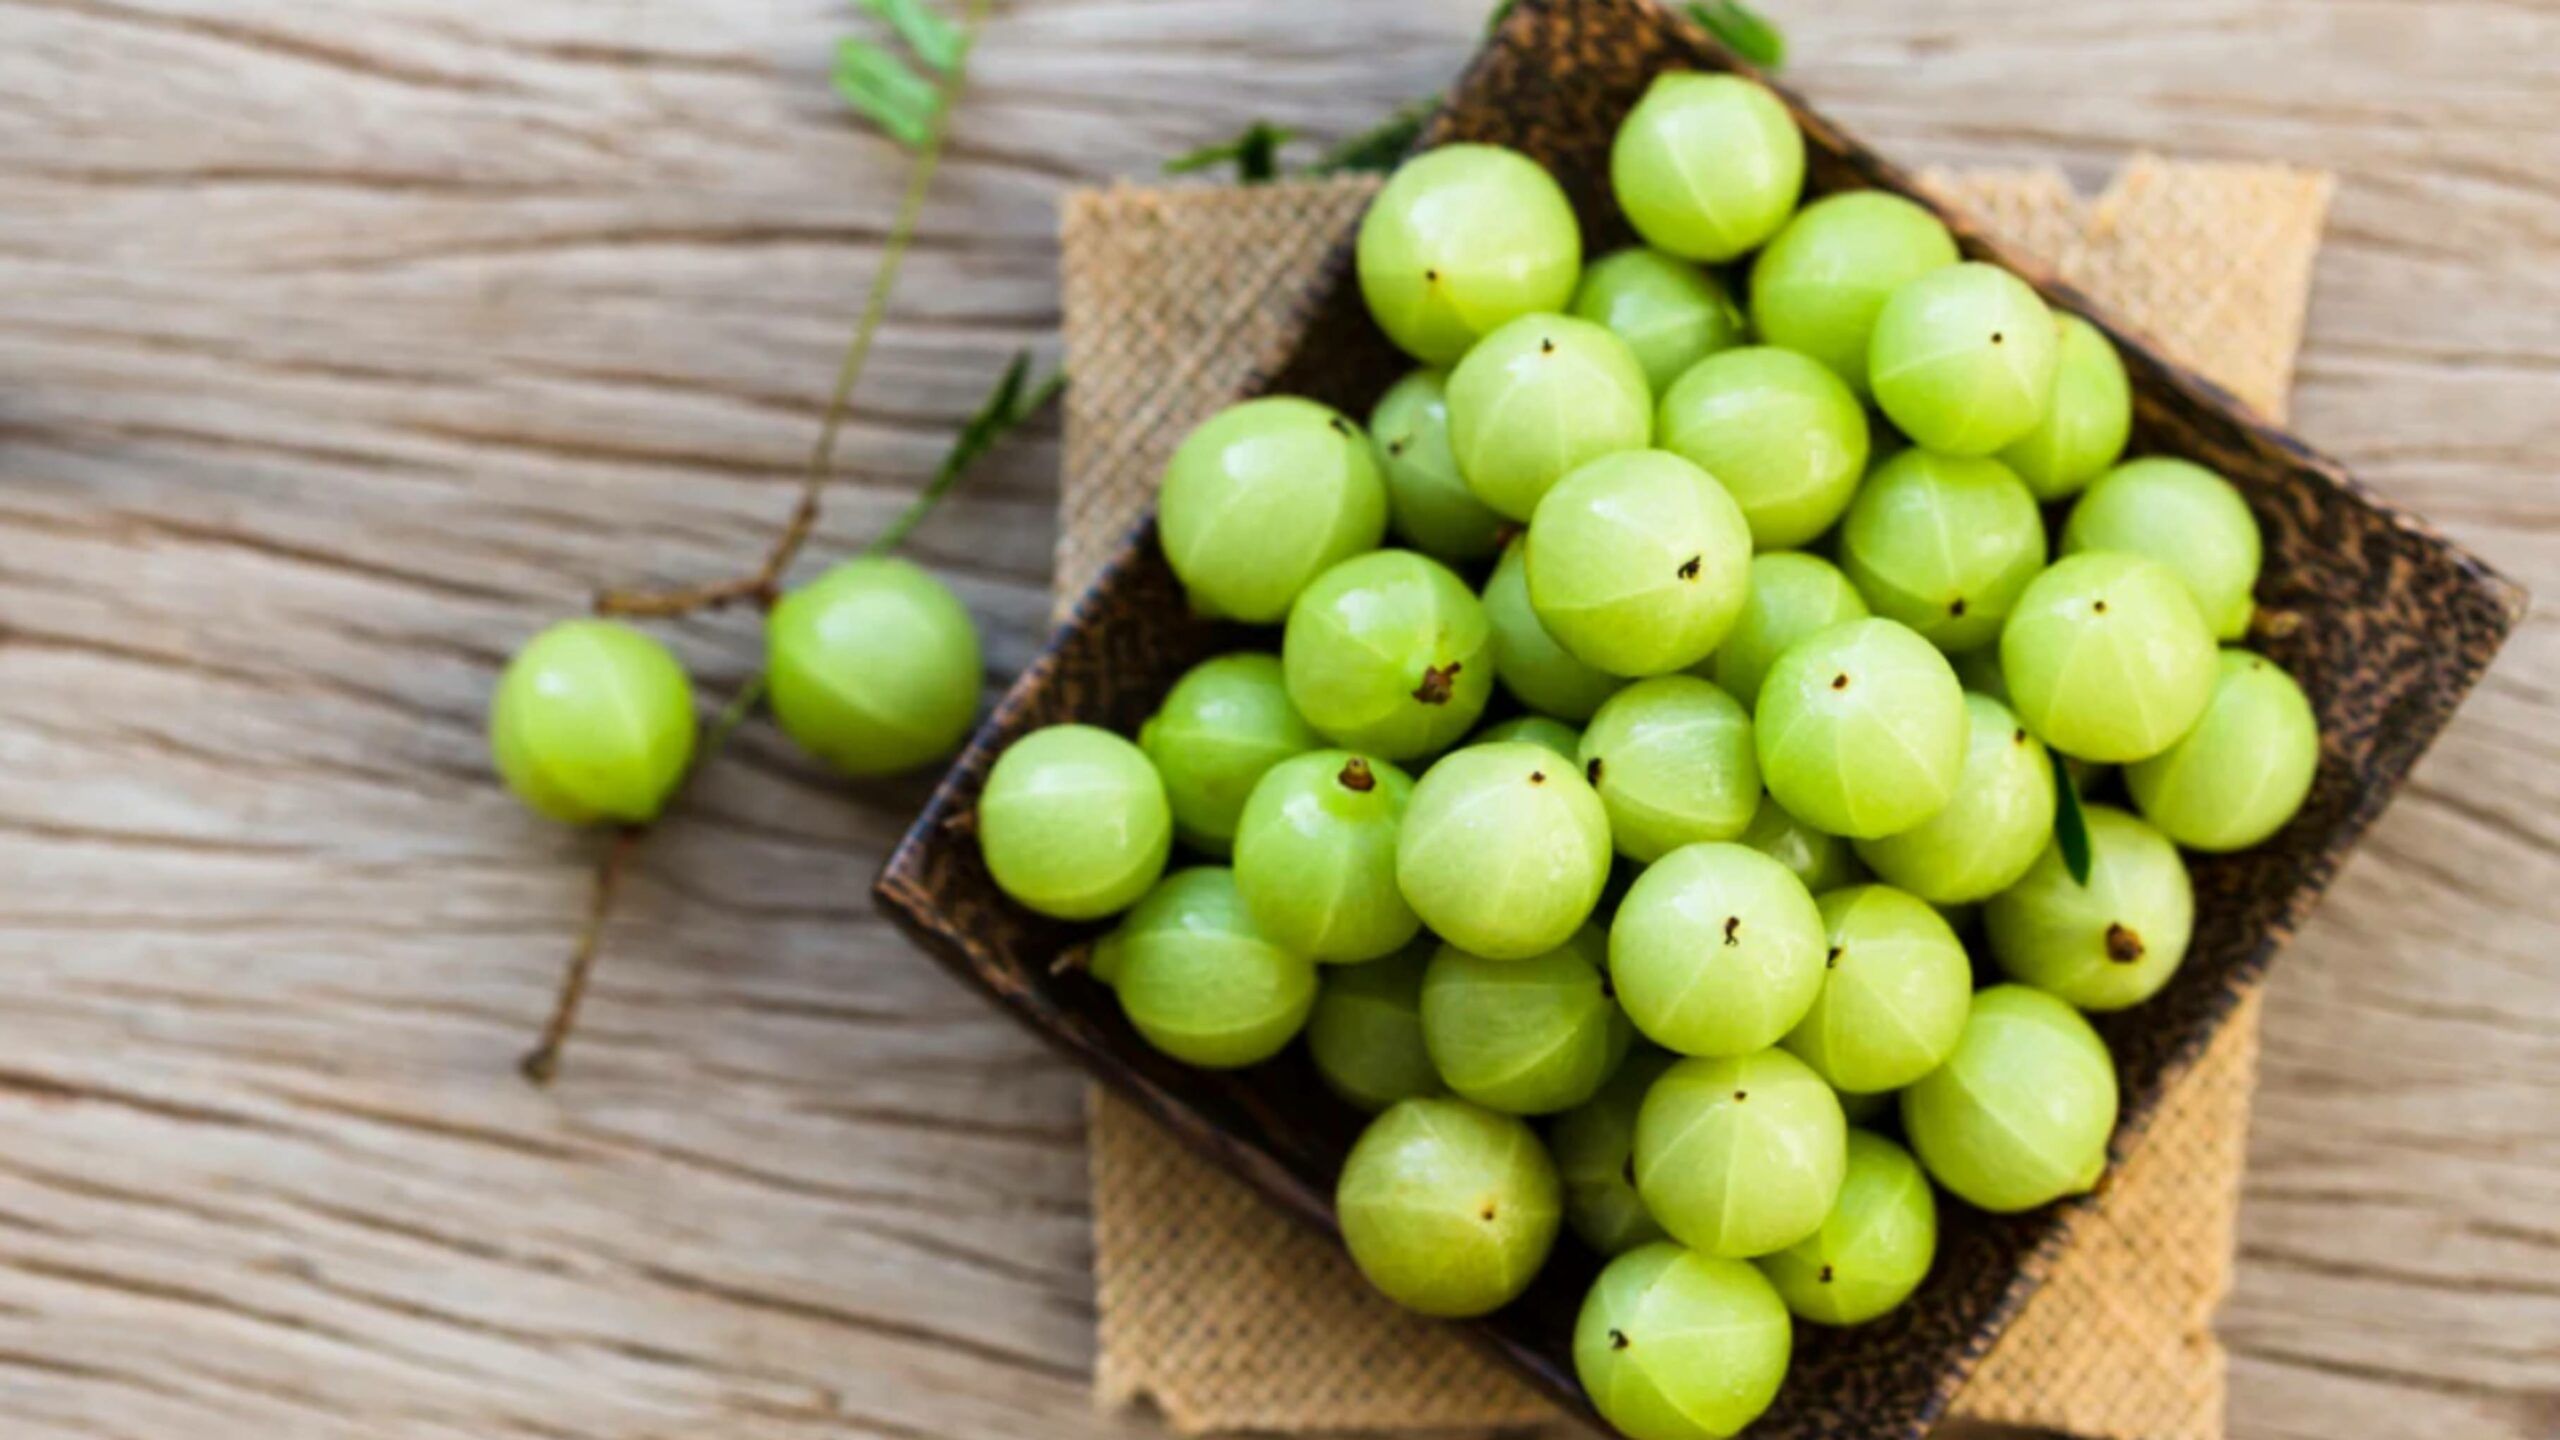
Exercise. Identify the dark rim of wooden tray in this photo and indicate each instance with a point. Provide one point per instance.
(2385, 622)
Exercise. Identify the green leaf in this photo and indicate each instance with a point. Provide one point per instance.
(1743, 31)
(1012, 402)
(1255, 153)
(2070, 826)
(886, 89)
(926, 33)
(1382, 147)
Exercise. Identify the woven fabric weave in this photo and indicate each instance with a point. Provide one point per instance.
(1228, 1316)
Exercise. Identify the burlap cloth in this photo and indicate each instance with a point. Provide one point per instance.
(1230, 1317)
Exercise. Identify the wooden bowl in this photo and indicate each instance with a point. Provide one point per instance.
(2384, 622)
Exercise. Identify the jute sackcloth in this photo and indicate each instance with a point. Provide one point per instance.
(1230, 1317)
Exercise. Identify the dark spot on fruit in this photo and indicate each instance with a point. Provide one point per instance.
(1832, 960)
(1826, 1274)
(1537, 777)
(1732, 924)
(1341, 426)
(1690, 567)
(1357, 777)
(1617, 1339)
(1439, 682)
(1995, 337)
(1432, 276)
(2018, 736)
(2123, 945)
(1591, 772)
(1840, 681)
(1395, 447)
(1956, 606)
(1487, 1212)
(1546, 347)
(1740, 1095)
(2099, 606)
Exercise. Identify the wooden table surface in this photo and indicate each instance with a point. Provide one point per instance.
(342, 346)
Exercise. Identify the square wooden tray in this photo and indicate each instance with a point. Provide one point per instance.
(2385, 623)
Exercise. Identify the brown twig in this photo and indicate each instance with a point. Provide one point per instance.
(765, 583)
(542, 1062)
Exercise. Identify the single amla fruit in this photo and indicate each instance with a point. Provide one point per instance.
(1675, 1345)
(1263, 497)
(1365, 1035)
(2243, 771)
(2020, 1114)
(1200, 980)
(2107, 658)
(1896, 986)
(1526, 1037)
(1074, 823)
(2187, 518)
(1222, 726)
(873, 667)
(1448, 1208)
(1707, 166)
(1463, 238)
(1504, 850)
(592, 721)
(1741, 1156)
(2111, 943)
(1875, 1247)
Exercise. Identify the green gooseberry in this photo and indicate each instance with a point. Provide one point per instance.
(1673, 762)
(1639, 563)
(2246, 767)
(873, 667)
(2108, 944)
(1316, 856)
(1793, 594)
(1222, 725)
(1448, 1208)
(2107, 657)
(1365, 1035)
(1670, 312)
(1740, 1156)
(2000, 820)
(1818, 287)
(1462, 239)
(1707, 167)
(1896, 986)
(1781, 433)
(1073, 822)
(2187, 518)
(1389, 654)
(1675, 1345)
(1875, 1247)
(1504, 850)
(1428, 503)
(1717, 950)
(2085, 427)
(1962, 359)
(1200, 981)
(1538, 672)
(1261, 498)
(592, 721)
(1861, 729)
(1538, 397)
(1595, 1150)
(2019, 1116)
(1944, 544)
(1526, 1037)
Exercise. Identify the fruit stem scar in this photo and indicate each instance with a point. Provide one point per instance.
(1826, 1274)
(1537, 777)
(1357, 777)
(1732, 923)
(1591, 772)
(1487, 1212)
(1832, 960)
(1341, 426)
(1438, 683)
(1617, 1339)
(1690, 567)
(2098, 605)
(2018, 736)
(1741, 1095)
(1956, 606)
(1546, 347)
(1995, 337)
(1840, 681)
(2123, 945)
(1431, 276)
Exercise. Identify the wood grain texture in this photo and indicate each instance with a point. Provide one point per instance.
(341, 347)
